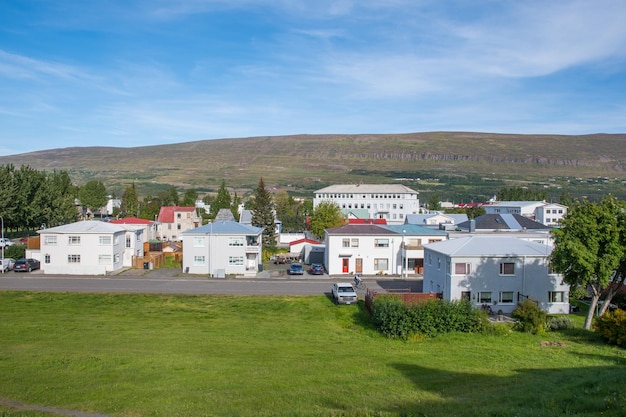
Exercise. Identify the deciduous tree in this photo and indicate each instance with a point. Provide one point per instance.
(589, 246)
(93, 195)
(327, 214)
(130, 201)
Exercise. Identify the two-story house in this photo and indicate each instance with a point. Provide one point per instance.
(392, 202)
(89, 247)
(150, 229)
(369, 249)
(496, 272)
(174, 220)
(549, 214)
(222, 248)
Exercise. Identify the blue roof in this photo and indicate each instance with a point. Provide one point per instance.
(224, 228)
(414, 229)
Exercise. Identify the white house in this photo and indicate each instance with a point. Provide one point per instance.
(550, 214)
(174, 220)
(370, 249)
(89, 247)
(222, 248)
(436, 220)
(150, 228)
(391, 202)
(495, 271)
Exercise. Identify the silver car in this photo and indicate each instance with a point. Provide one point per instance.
(6, 264)
(344, 293)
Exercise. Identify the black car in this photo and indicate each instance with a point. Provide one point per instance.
(25, 265)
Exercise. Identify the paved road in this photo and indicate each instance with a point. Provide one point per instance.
(160, 282)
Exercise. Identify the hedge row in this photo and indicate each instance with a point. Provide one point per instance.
(394, 319)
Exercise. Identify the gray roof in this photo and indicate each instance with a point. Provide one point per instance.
(421, 218)
(504, 222)
(246, 217)
(359, 229)
(89, 226)
(489, 246)
(224, 215)
(225, 228)
(368, 189)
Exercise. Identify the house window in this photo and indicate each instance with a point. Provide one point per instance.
(235, 260)
(178, 215)
(507, 268)
(117, 258)
(381, 243)
(506, 297)
(50, 240)
(235, 241)
(104, 240)
(484, 297)
(73, 259)
(128, 241)
(355, 243)
(465, 295)
(557, 296)
(438, 263)
(345, 243)
(179, 226)
(198, 241)
(73, 240)
(104, 259)
(381, 264)
(46, 258)
(198, 261)
(461, 269)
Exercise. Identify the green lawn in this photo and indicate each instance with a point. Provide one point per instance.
(150, 355)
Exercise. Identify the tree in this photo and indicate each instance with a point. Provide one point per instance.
(93, 195)
(263, 215)
(169, 196)
(130, 201)
(434, 203)
(521, 194)
(150, 207)
(221, 201)
(289, 212)
(190, 197)
(589, 246)
(327, 214)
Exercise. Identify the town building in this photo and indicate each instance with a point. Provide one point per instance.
(392, 202)
(174, 220)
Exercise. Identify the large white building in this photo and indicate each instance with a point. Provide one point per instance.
(392, 202)
(496, 272)
(89, 247)
(548, 214)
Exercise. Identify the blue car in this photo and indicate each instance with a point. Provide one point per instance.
(296, 269)
(316, 269)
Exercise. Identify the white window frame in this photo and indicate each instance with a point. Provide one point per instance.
(235, 260)
(73, 240)
(73, 259)
(381, 243)
(503, 268)
(198, 241)
(381, 264)
(236, 241)
(50, 239)
(199, 260)
(464, 267)
(105, 259)
(105, 240)
(484, 297)
(503, 297)
(557, 297)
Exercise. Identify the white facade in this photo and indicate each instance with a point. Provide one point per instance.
(222, 248)
(89, 248)
(494, 271)
(367, 249)
(550, 214)
(391, 202)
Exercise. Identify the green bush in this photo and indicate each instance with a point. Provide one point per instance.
(430, 318)
(555, 323)
(15, 251)
(530, 317)
(612, 327)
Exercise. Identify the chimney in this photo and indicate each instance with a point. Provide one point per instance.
(472, 226)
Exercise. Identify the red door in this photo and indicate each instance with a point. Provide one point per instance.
(345, 265)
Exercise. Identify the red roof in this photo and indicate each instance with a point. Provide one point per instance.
(166, 214)
(305, 240)
(367, 221)
(131, 220)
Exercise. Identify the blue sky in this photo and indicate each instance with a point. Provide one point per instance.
(148, 72)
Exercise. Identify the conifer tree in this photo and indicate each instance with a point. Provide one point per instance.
(263, 215)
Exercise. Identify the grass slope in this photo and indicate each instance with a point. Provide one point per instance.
(151, 355)
(309, 162)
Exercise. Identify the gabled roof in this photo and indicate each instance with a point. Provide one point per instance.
(423, 218)
(131, 220)
(503, 222)
(305, 240)
(166, 214)
(245, 217)
(368, 189)
(225, 228)
(489, 246)
(414, 229)
(87, 227)
(356, 213)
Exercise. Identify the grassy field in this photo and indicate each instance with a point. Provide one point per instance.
(150, 355)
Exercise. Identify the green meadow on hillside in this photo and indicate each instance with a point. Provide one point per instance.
(161, 355)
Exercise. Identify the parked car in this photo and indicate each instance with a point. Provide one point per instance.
(316, 269)
(344, 293)
(24, 240)
(26, 265)
(296, 269)
(6, 242)
(6, 264)
(280, 259)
